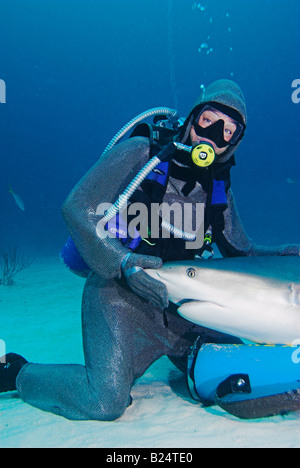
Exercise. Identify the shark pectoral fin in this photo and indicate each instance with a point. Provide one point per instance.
(199, 312)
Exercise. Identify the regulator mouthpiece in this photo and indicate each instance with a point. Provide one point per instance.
(203, 155)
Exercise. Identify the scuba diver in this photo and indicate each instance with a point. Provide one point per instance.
(127, 321)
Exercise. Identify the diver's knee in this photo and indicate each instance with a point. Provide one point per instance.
(107, 407)
(105, 413)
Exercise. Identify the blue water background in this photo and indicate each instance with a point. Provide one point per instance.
(78, 70)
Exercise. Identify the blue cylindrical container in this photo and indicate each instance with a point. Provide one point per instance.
(269, 370)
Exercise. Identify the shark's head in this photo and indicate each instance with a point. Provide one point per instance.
(256, 299)
(183, 280)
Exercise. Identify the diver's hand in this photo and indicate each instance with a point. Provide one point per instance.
(141, 283)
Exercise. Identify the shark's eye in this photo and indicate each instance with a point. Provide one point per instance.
(191, 272)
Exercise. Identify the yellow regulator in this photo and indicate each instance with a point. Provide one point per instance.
(203, 155)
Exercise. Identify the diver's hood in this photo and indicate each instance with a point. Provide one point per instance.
(225, 92)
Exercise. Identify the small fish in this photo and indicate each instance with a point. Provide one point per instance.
(290, 181)
(18, 200)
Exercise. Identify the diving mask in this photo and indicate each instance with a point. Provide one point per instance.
(210, 125)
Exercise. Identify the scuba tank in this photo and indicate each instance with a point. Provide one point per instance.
(248, 381)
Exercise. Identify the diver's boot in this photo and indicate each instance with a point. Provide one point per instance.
(10, 366)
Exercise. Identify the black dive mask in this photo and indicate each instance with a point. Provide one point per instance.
(215, 131)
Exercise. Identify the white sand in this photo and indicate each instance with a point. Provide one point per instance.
(40, 319)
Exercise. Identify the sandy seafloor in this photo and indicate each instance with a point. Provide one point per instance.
(40, 319)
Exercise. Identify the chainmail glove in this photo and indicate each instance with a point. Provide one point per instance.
(141, 283)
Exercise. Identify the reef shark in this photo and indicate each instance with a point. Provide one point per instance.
(254, 298)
